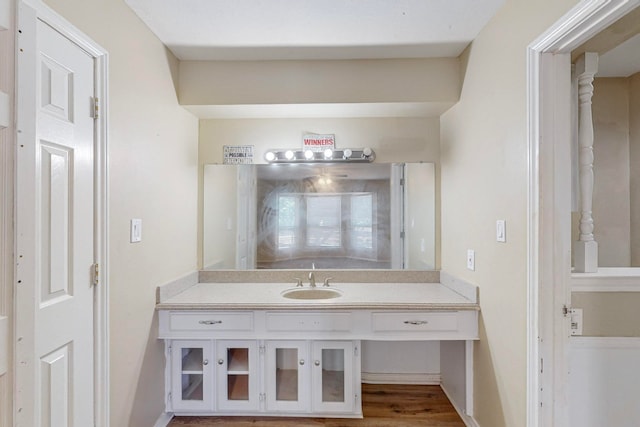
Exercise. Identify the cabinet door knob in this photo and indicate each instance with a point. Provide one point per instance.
(317, 363)
(220, 361)
(205, 362)
(302, 361)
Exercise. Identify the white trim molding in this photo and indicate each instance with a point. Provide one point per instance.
(548, 274)
(607, 280)
(468, 421)
(164, 419)
(420, 378)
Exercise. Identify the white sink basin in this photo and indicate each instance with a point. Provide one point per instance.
(311, 293)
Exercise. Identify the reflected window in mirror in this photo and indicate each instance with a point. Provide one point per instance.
(336, 216)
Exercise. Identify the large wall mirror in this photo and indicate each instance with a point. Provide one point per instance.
(327, 216)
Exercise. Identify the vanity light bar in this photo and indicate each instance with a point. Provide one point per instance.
(351, 155)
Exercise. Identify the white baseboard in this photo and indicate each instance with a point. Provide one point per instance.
(164, 419)
(466, 419)
(394, 378)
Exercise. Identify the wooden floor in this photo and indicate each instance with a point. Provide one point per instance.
(383, 406)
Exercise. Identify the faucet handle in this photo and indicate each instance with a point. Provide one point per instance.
(326, 281)
(299, 281)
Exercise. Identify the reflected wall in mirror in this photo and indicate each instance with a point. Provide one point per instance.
(327, 216)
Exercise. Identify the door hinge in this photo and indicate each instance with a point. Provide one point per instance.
(401, 182)
(95, 274)
(566, 310)
(355, 351)
(169, 398)
(263, 397)
(95, 107)
(402, 234)
(261, 349)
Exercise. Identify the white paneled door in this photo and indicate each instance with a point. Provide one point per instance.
(55, 243)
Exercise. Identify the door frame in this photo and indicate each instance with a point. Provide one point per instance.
(28, 12)
(549, 194)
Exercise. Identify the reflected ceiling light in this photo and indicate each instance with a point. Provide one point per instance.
(289, 155)
(269, 156)
(308, 154)
(328, 153)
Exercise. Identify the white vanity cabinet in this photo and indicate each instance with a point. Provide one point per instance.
(287, 376)
(312, 377)
(270, 377)
(237, 376)
(298, 362)
(191, 379)
(333, 377)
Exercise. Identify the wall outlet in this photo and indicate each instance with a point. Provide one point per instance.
(471, 259)
(136, 230)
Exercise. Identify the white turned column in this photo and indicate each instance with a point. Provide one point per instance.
(586, 248)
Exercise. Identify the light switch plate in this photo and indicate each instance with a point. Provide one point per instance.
(501, 231)
(136, 230)
(471, 259)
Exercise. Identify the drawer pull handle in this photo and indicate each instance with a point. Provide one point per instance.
(210, 322)
(415, 322)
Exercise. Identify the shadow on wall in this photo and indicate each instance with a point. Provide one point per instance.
(148, 402)
(486, 384)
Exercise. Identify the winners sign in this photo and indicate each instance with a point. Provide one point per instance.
(317, 142)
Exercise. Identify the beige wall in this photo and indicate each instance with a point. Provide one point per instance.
(393, 139)
(153, 176)
(484, 178)
(634, 165)
(611, 208)
(608, 314)
(299, 82)
(220, 216)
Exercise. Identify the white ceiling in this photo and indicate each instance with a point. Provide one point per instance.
(314, 29)
(621, 61)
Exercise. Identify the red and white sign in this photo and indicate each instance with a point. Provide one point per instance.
(317, 142)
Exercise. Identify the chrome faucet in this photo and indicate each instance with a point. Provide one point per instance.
(312, 279)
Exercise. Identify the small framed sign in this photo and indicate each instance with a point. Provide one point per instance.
(237, 154)
(318, 142)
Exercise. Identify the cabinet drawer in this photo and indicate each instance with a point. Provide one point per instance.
(408, 322)
(326, 322)
(211, 321)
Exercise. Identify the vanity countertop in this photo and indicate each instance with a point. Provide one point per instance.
(366, 296)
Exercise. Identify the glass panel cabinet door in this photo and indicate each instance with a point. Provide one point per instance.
(287, 376)
(191, 379)
(332, 376)
(237, 363)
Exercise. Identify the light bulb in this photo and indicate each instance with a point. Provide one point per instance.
(347, 153)
(308, 154)
(288, 154)
(366, 152)
(328, 153)
(270, 156)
